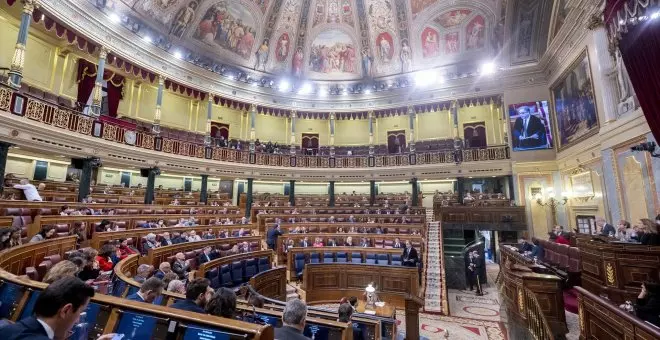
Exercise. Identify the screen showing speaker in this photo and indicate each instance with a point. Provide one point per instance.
(530, 126)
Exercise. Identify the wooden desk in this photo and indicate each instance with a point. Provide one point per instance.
(387, 311)
(329, 282)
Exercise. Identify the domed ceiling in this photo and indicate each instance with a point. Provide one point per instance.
(323, 39)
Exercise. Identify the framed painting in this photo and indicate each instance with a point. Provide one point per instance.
(576, 115)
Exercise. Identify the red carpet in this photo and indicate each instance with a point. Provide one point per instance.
(570, 301)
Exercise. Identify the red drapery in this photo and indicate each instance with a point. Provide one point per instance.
(87, 78)
(640, 49)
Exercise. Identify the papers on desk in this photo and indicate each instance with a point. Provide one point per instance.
(370, 312)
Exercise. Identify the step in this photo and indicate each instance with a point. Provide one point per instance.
(291, 296)
(290, 289)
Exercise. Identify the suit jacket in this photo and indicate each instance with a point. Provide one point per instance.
(289, 333)
(648, 309)
(607, 230)
(412, 257)
(303, 244)
(26, 329)
(166, 242)
(650, 239)
(135, 297)
(159, 274)
(397, 245)
(180, 268)
(534, 126)
(271, 237)
(202, 258)
(188, 305)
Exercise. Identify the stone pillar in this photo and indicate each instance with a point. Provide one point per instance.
(415, 192)
(159, 102)
(411, 117)
(4, 151)
(88, 165)
(97, 92)
(458, 142)
(253, 133)
(209, 111)
(18, 60)
(204, 192)
(460, 187)
(371, 132)
(372, 192)
(248, 201)
(332, 135)
(292, 140)
(606, 74)
(149, 193)
(292, 192)
(331, 193)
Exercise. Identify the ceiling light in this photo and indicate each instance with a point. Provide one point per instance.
(178, 55)
(423, 79)
(114, 18)
(283, 86)
(367, 91)
(231, 77)
(305, 89)
(488, 68)
(655, 15)
(147, 38)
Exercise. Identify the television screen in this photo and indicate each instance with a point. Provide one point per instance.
(319, 332)
(135, 326)
(118, 286)
(530, 126)
(199, 333)
(85, 328)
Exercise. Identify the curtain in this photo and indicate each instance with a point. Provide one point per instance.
(87, 78)
(640, 49)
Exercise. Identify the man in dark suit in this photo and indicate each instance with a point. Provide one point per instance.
(606, 228)
(180, 266)
(149, 291)
(163, 269)
(207, 255)
(293, 320)
(56, 311)
(331, 243)
(410, 257)
(345, 314)
(305, 242)
(272, 235)
(474, 267)
(198, 293)
(166, 240)
(528, 131)
(397, 243)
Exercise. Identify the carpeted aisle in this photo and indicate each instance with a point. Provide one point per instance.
(433, 299)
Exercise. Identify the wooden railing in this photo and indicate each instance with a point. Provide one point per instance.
(72, 121)
(536, 320)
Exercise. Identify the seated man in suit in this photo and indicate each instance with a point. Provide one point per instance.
(165, 240)
(181, 266)
(163, 269)
(198, 293)
(331, 243)
(364, 243)
(410, 257)
(149, 291)
(524, 246)
(345, 312)
(150, 243)
(143, 272)
(397, 243)
(304, 243)
(207, 255)
(57, 309)
(606, 229)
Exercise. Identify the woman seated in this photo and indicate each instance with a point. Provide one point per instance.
(649, 232)
(318, 242)
(647, 307)
(124, 250)
(46, 232)
(105, 258)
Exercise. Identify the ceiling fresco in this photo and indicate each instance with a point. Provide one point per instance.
(333, 40)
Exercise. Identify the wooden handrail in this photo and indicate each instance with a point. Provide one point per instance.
(15, 260)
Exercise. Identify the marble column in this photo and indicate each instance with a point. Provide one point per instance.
(97, 92)
(253, 133)
(372, 192)
(88, 165)
(4, 151)
(248, 201)
(18, 60)
(209, 111)
(415, 192)
(204, 192)
(292, 139)
(411, 118)
(292, 192)
(371, 132)
(458, 142)
(149, 193)
(605, 74)
(331, 193)
(332, 135)
(159, 102)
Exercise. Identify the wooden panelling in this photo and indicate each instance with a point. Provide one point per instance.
(271, 283)
(16, 260)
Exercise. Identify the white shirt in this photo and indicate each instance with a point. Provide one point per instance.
(49, 331)
(30, 191)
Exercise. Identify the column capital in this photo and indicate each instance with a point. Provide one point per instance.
(253, 108)
(370, 114)
(332, 115)
(293, 113)
(29, 6)
(161, 80)
(411, 110)
(211, 97)
(103, 52)
(596, 21)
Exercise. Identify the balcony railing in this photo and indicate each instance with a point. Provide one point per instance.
(39, 110)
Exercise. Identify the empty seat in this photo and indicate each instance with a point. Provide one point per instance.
(573, 259)
(356, 257)
(328, 257)
(263, 264)
(315, 258)
(382, 259)
(250, 269)
(299, 264)
(371, 259)
(341, 257)
(396, 260)
(237, 270)
(225, 276)
(212, 275)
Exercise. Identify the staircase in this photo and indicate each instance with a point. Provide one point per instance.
(434, 295)
(291, 293)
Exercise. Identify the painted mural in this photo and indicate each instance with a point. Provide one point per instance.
(333, 52)
(575, 105)
(561, 12)
(385, 47)
(452, 18)
(417, 6)
(475, 33)
(282, 48)
(430, 43)
(229, 26)
(452, 43)
(333, 12)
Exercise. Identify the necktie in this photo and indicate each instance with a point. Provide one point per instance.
(525, 125)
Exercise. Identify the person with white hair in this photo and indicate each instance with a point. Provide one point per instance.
(150, 242)
(176, 286)
(30, 191)
(293, 319)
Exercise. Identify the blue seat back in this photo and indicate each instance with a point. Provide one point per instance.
(341, 257)
(225, 276)
(328, 257)
(356, 257)
(237, 268)
(263, 264)
(382, 259)
(212, 275)
(396, 260)
(299, 262)
(250, 269)
(371, 259)
(315, 258)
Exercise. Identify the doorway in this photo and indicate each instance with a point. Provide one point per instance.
(219, 130)
(310, 143)
(396, 141)
(475, 134)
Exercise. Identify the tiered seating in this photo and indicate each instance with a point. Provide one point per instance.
(562, 259)
(341, 219)
(235, 270)
(155, 256)
(324, 210)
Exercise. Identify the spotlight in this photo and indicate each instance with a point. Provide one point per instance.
(655, 15)
(178, 55)
(283, 86)
(147, 39)
(114, 18)
(425, 78)
(488, 68)
(305, 89)
(367, 91)
(231, 77)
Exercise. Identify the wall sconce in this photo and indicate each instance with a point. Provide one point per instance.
(552, 202)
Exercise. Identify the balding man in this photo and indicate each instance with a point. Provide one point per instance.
(163, 269)
(181, 266)
(293, 319)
